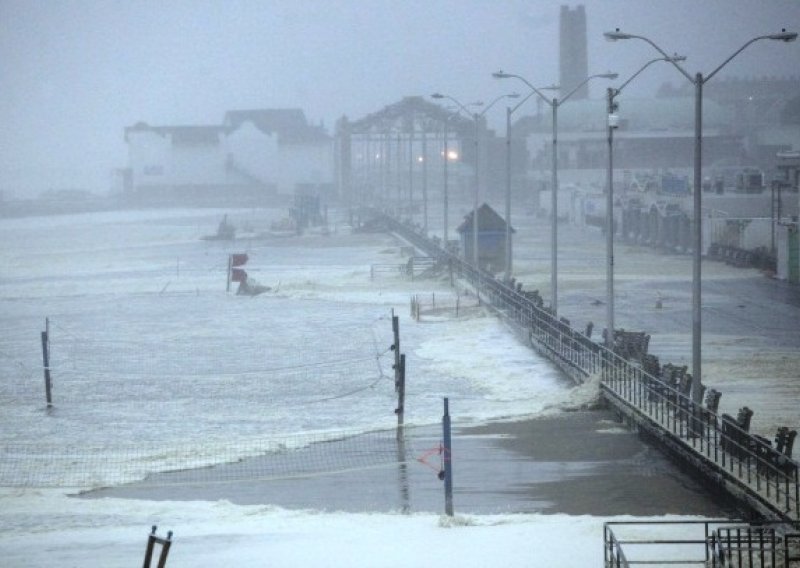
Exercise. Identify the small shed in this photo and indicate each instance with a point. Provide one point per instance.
(491, 239)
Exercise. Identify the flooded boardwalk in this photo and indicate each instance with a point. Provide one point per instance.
(720, 448)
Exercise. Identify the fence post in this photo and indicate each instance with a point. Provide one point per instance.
(396, 349)
(401, 396)
(447, 459)
(46, 362)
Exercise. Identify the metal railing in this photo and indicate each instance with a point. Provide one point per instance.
(713, 543)
(744, 546)
(660, 543)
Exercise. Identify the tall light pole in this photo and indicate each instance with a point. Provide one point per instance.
(476, 117)
(509, 112)
(612, 94)
(447, 158)
(554, 104)
(697, 237)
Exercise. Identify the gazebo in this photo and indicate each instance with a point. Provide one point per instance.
(491, 239)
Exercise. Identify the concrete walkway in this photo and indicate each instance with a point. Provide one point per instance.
(580, 463)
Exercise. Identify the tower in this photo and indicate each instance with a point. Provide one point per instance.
(573, 58)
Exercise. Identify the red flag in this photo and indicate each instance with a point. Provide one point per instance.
(238, 275)
(239, 259)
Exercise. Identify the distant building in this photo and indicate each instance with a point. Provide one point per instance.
(254, 157)
(280, 148)
(573, 55)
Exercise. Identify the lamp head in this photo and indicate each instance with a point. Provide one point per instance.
(512, 96)
(616, 34)
(784, 36)
(677, 58)
(608, 75)
(437, 96)
(501, 75)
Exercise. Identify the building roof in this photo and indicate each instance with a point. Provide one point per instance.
(182, 135)
(289, 124)
(488, 220)
(411, 111)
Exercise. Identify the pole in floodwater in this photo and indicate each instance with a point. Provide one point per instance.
(396, 349)
(447, 460)
(401, 396)
(46, 362)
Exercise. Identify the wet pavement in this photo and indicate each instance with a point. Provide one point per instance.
(575, 462)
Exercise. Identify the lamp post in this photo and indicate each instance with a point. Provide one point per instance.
(554, 104)
(444, 191)
(447, 158)
(612, 94)
(476, 117)
(697, 238)
(509, 112)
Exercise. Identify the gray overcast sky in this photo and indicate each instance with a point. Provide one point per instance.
(75, 73)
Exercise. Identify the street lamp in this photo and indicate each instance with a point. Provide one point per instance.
(698, 81)
(448, 155)
(509, 112)
(612, 108)
(476, 118)
(554, 104)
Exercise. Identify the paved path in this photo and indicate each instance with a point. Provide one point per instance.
(581, 463)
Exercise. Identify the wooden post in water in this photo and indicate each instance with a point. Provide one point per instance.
(401, 396)
(396, 349)
(447, 460)
(46, 361)
(405, 489)
(165, 543)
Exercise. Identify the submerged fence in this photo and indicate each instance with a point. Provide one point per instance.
(189, 362)
(430, 306)
(151, 464)
(723, 450)
(124, 402)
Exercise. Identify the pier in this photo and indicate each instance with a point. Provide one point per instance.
(653, 399)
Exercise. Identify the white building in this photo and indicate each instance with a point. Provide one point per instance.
(254, 157)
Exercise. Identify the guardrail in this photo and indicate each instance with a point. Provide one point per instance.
(722, 543)
(748, 468)
(392, 269)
